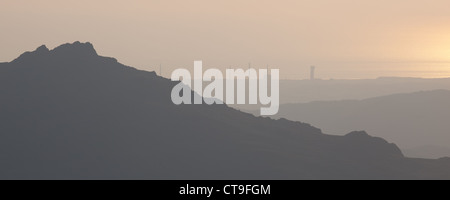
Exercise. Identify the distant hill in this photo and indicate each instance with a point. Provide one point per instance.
(427, 151)
(69, 113)
(410, 120)
(306, 91)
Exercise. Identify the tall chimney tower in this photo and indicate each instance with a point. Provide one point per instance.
(313, 68)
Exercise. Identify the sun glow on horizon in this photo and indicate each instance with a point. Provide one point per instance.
(345, 39)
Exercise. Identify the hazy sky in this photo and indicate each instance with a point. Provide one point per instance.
(343, 38)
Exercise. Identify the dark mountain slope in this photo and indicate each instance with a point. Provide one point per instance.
(71, 114)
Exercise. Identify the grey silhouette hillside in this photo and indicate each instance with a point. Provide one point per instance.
(68, 113)
(415, 121)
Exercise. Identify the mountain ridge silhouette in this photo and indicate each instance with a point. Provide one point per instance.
(68, 113)
(411, 120)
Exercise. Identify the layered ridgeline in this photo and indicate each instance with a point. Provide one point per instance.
(418, 122)
(68, 113)
(306, 91)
